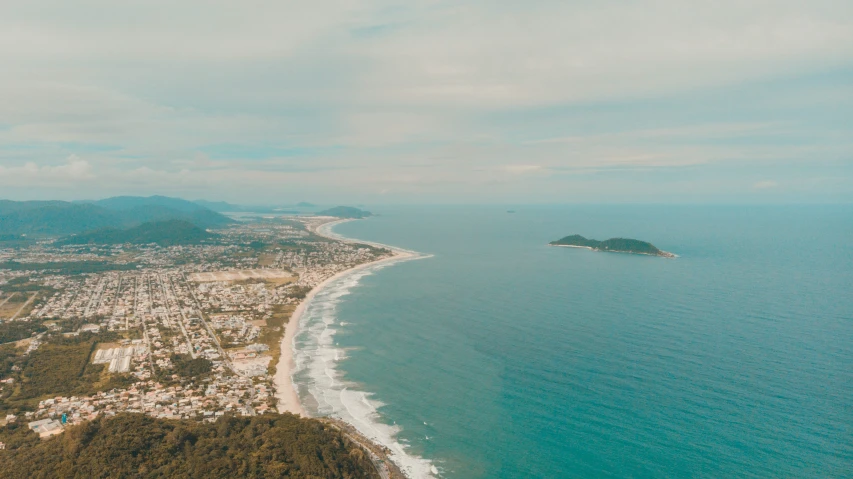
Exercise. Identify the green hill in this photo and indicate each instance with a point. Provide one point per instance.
(219, 206)
(614, 245)
(203, 217)
(132, 202)
(163, 233)
(225, 207)
(56, 218)
(138, 446)
(344, 212)
(141, 209)
(53, 217)
(576, 240)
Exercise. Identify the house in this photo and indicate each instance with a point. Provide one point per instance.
(46, 427)
(90, 328)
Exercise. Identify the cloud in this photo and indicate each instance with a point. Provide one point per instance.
(521, 169)
(447, 97)
(765, 185)
(73, 171)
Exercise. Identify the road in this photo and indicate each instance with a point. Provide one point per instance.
(225, 358)
(167, 302)
(32, 298)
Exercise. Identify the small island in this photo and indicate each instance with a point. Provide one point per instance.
(612, 245)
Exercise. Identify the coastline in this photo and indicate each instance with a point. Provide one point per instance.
(285, 390)
(376, 439)
(663, 254)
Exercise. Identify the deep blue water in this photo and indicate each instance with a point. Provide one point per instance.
(520, 360)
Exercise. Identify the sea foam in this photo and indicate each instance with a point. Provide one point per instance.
(321, 386)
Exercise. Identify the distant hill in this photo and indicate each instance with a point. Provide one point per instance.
(202, 217)
(135, 202)
(53, 217)
(137, 446)
(141, 209)
(613, 245)
(163, 233)
(305, 204)
(219, 206)
(225, 207)
(57, 218)
(344, 212)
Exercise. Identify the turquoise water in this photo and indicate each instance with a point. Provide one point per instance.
(500, 357)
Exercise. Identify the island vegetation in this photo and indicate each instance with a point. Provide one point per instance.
(613, 245)
(137, 446)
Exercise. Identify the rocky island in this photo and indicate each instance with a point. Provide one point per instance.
(613, 245)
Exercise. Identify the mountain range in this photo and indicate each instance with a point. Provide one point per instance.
(163, 233)
(225, 207)
(59, 218)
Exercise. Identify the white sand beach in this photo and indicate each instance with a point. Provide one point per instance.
(288, 400)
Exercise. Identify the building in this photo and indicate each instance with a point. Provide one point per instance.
(45, 427)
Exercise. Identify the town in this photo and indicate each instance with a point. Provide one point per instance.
(180, 332)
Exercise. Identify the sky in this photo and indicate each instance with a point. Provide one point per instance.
(422, 101)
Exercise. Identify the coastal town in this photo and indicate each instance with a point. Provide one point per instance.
(188, 332)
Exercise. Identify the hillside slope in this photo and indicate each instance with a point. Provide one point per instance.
(138, 446)
(614, 245)
(163, 233)
(52, 218)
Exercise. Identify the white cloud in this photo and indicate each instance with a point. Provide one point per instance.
(426, 93)
(521, 169)
(765, 185)
(75, 170)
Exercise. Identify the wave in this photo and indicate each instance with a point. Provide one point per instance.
(321, 386)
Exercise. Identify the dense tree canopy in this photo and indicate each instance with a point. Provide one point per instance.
(59, 367)
(185, 366)
(138, 446)
(622, 245)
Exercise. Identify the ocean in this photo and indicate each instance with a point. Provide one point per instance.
(496, 356)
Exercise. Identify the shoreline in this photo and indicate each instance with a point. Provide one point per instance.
(285, 390)
(664, 254)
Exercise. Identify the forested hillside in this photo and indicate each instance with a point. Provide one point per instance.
(138, 446)
(163, 233)
(616, 245)
(63, 218)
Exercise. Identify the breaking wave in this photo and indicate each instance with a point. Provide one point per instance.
(322, 388)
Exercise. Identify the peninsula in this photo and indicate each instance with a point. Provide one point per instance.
(613, 245)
